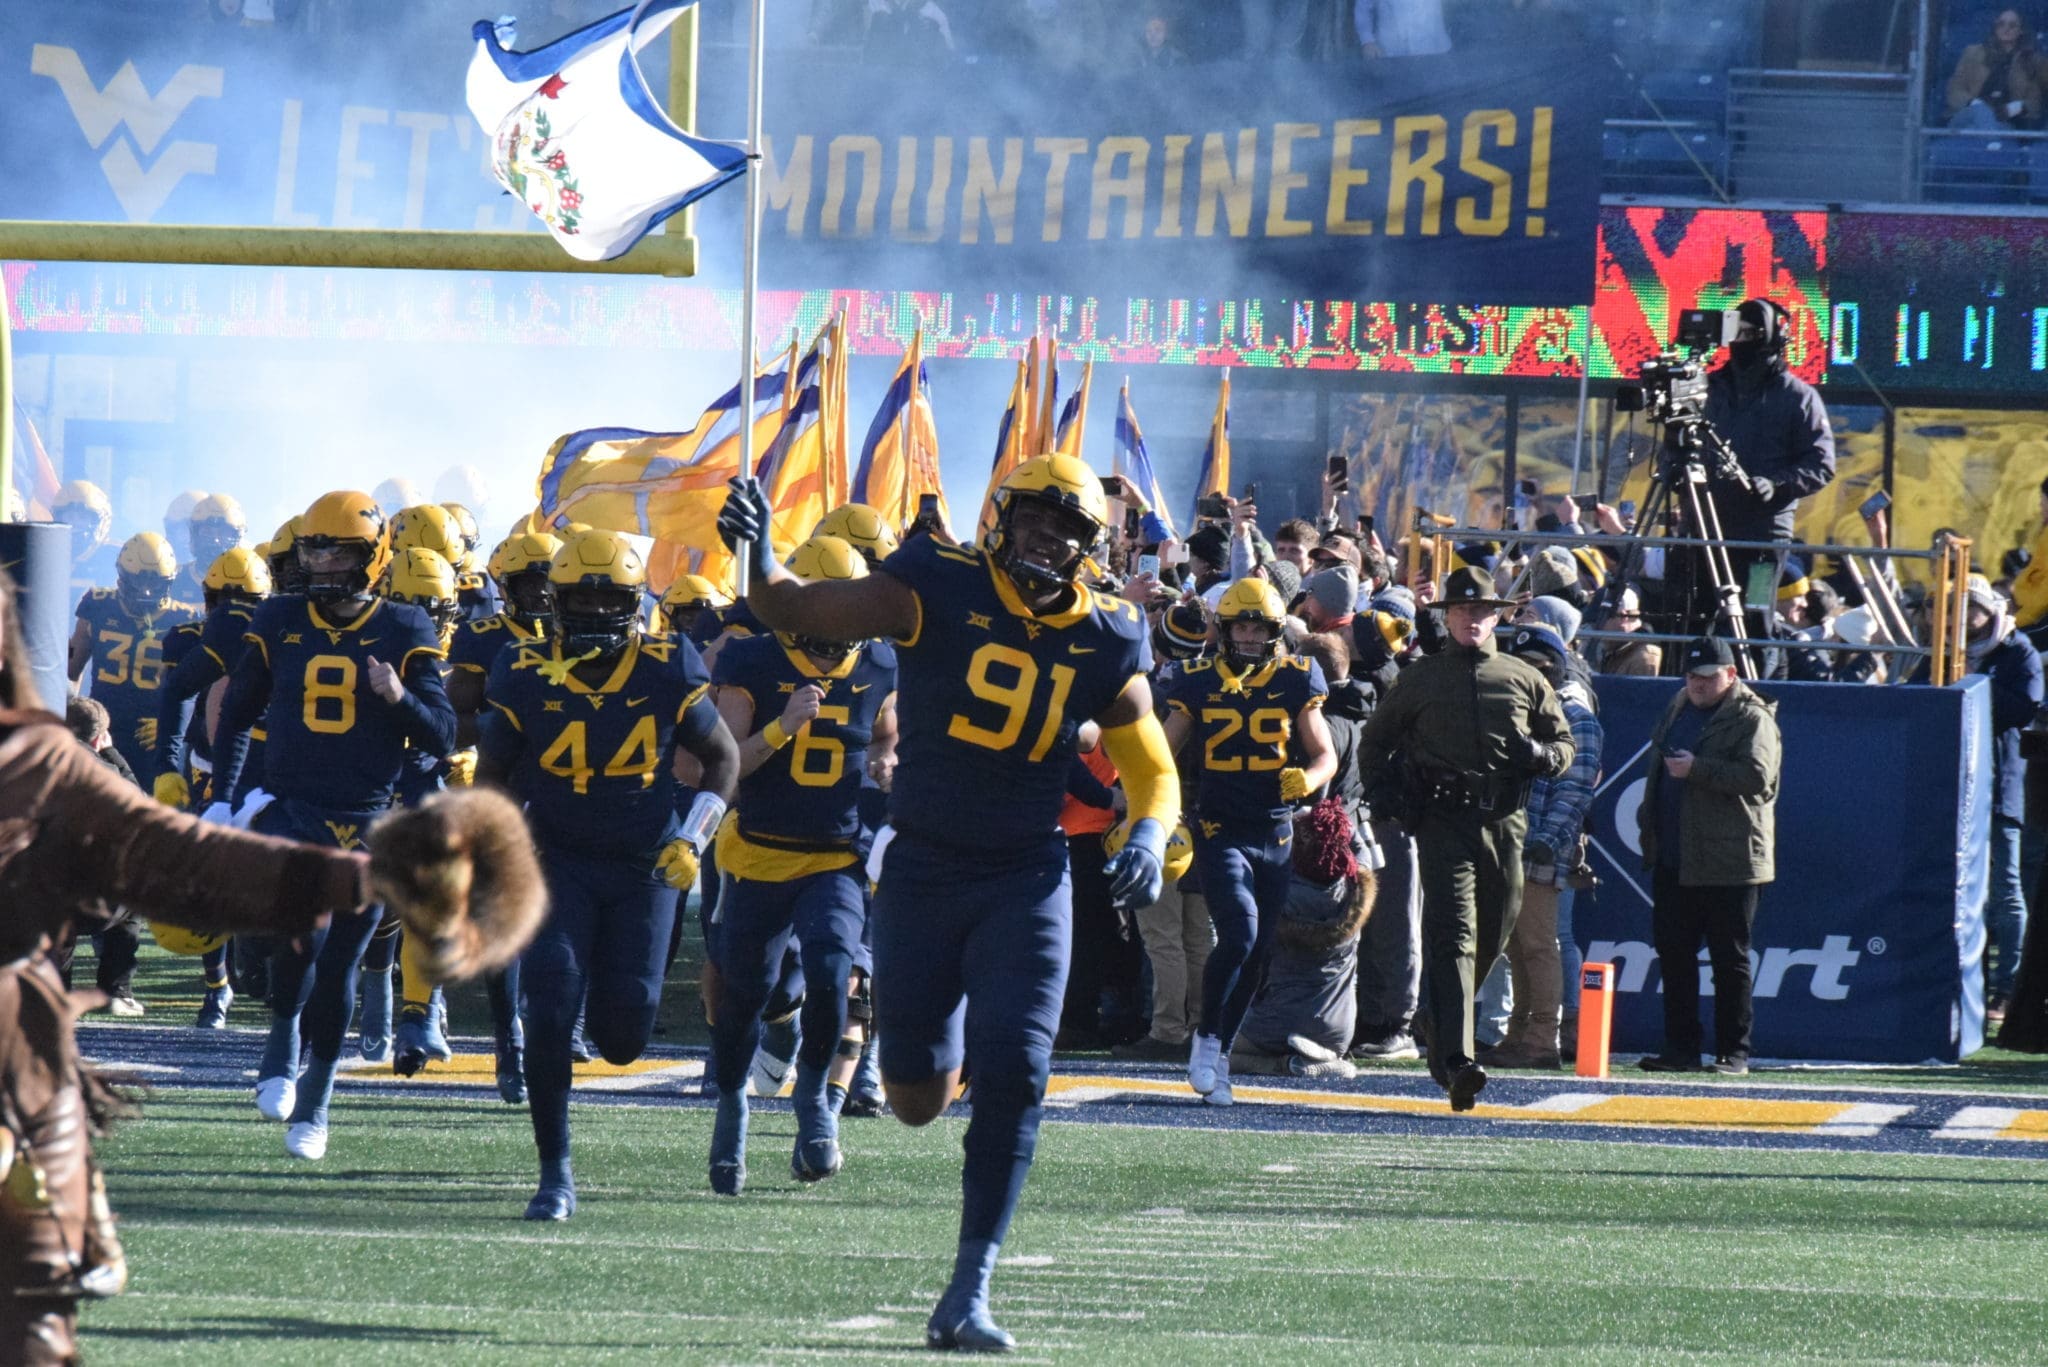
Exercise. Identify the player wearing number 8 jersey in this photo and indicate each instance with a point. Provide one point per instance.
(586, 727)
(1257, 712)
(341, 681)
(792, 856)
(1001, 655)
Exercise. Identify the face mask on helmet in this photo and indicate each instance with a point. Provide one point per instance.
(821, 649)
(140, 594)
(286, 574)
(335, 571)
(527, 594)
(1043, 544)
(211, 540)
(1249, 641)
(597, 617)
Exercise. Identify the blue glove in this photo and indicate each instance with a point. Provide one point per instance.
(745, 520)
(1137, 872)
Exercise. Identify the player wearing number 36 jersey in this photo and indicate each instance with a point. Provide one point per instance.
(1002, 653)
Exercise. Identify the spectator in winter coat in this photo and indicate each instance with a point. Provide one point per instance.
(2001, 652)
(1557, 813)
(1994, 84)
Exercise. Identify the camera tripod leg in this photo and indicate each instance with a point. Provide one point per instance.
(1721, 570)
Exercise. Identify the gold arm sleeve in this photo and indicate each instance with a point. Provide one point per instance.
(1151, 784)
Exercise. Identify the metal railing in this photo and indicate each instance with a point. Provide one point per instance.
(1949, 558)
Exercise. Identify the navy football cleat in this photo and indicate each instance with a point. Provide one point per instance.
(729, 1145)
(213, 1012)
(552, 1202)
(965, 1329)
(512, 1074)
(419, 1038)
(374, 1039)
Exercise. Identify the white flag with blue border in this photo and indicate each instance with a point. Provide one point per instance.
(580, 139)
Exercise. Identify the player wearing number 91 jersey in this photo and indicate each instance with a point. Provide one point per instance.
(1002, 653)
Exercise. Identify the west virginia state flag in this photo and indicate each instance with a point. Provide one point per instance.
(1216, 457)
(577, 135)
(899, 464)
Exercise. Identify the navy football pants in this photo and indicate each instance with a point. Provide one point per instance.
(971, 955)
(826, 913)
(603, 950)
(313, 979)
(1245, 882)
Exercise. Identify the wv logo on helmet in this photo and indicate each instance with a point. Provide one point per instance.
(124, 116)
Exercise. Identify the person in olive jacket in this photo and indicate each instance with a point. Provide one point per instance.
(1708, 825)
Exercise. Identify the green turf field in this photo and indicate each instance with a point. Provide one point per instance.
(1133, 1245)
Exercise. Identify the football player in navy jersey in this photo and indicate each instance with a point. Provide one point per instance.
(425, 579)
(197, 656)
(519, 567)
(1002, 654)
(792, 857)
(862, 528)
(120, 634)
(85, 508)
(343, 682)
(282, 555)
(586, 727)
(1258, 713)
(474, 586)
(688, 601)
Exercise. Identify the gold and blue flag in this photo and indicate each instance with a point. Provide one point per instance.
(1134, 462)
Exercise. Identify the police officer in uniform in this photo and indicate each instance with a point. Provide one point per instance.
(1471, 728)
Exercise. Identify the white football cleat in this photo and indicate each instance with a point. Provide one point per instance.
(306, 1140)
(1202, 1059)
(275, 1097)
(1220, 1094)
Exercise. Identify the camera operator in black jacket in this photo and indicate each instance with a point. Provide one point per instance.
(1777, 425)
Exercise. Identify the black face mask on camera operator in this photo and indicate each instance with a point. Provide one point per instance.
(1761, 338)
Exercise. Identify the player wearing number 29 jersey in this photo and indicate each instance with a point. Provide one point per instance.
(1002, 653)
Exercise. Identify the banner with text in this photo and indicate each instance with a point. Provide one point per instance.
(1473, 178)
(1869, 945)
(1468, 179)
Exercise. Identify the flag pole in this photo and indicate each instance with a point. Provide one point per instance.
(750, 277)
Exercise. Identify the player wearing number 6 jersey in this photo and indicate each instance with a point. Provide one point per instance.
(792, 855)
(585, 727)
(341, 682)
(1258, 713)
(1002, 654)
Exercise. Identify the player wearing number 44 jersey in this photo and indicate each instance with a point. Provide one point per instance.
(586, 727)
(341, 682)
(1002, 654)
